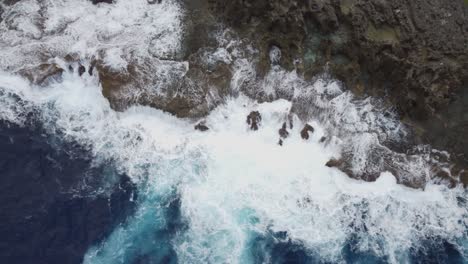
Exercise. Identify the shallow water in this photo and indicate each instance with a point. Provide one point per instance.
(232, 195)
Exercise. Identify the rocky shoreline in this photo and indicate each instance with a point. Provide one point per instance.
(413, 54)
(410, 54)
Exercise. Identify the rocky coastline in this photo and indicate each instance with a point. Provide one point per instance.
(411, 54)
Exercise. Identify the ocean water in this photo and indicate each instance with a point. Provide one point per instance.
(227, 195)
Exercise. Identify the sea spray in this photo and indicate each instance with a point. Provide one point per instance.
(234, 184)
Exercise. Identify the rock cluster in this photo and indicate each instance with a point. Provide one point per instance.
(413, 54)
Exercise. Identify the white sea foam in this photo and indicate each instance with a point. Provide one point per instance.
(234, 182)
(126, 31)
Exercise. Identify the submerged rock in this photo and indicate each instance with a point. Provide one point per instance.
(254, 119)
(305, 131)
(95, 2)
(81, 70)
(201, 127)
(283, 132)
(334, 163)
(90, 70)
(42, 73)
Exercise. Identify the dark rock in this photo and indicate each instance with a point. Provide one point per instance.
(412, 53)
(290, 121)
(334, 163)
(254, 119)
(322, 139)
(81, 70)
(464, 177)
(305, 131)
(95, 2)
(283, 132)
(202, 127)
(90, 70)
(280, 142)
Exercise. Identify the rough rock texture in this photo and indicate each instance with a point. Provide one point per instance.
(412, 53)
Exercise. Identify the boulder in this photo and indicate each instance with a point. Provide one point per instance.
(254, 119)
(305, 131)
(95, 2)
(202, 127)
(334, 163)
(81, 70)
(283, 132)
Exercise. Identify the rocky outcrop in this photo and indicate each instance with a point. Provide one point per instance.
(414, 54)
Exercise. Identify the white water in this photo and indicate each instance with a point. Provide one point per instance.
(230, 174)
(232, 183)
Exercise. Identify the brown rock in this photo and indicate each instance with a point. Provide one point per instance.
(334, 163)
(305, 131)
(40, 74)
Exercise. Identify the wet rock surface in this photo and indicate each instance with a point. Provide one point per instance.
(43, 73)
(411, 53)
(283, 131)
(201, 127)
(95, 2)
(253, 120)
(47, 212)
(306, 130)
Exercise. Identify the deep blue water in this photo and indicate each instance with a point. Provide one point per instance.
(50, 211)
